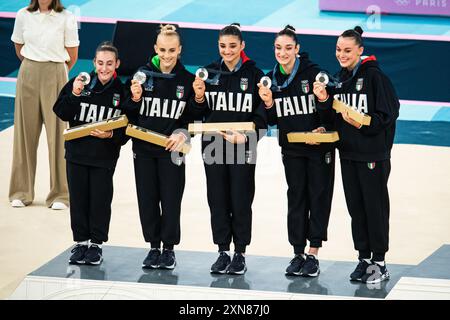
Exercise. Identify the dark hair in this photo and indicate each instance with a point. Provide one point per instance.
(233, 29)
(168, 30)
(354, 33)
(107, 46)
(56, 6)
(288, 31)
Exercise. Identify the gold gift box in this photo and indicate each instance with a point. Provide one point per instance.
(215, 127)
(152, 137)
(85, 129)
(359, 117)
(330, 136)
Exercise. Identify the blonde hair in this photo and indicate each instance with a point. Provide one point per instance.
(168, 30)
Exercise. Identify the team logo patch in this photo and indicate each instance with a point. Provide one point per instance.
(328, 158)
(116, 100)
(244, 84)
(305, 86)
(359, 84)
(180, 92)
(371, 165)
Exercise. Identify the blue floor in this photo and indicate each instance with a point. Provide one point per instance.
(303, 14)
(432, 133)
(435, 266)
(6, 112)
(81, 65)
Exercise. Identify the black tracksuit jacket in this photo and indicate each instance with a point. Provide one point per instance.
(163, 108)
(371, 92)
(103, 102)
(295, 110)
(235, 98)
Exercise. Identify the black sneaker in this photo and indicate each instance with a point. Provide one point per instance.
(93, 255)
(237, 265)
(221, 264)
(375, 274)
(295, 266)
(167, 259)
(151, 261)
(310, 267)
(78, 253)
(360, 270)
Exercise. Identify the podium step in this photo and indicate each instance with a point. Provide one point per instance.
(121, 276)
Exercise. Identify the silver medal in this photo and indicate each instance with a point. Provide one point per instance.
(202, 73)
(322, 77)
(85, 78)
(266, 82)
(140, 77)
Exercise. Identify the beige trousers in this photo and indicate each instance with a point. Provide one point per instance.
(38, 86)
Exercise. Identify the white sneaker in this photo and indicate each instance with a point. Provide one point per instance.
(16, 203)
(58, 206)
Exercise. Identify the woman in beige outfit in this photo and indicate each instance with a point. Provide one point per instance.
(46, 41)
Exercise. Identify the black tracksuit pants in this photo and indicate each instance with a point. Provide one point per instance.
(310, 182)
(231, 189)
(367, 197)
(91, 193)
(160, 187)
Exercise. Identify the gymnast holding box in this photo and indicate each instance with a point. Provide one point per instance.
(160, 94)
(229, 155)
(91, 159)
(366, 139)
(308, 160)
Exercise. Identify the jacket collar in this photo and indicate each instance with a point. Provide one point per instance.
(52, 12)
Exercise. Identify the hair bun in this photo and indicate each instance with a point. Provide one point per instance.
(236, 24)
(359, 30)
(168, 28)
(290, 28)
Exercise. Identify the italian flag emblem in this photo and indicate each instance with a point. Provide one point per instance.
(359, 84)
(244, 84)
(180, 92)
(116, 100)
(371, 165)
